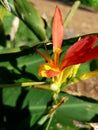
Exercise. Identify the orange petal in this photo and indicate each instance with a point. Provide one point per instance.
(47, 58)
(48, 70)
(57, 29)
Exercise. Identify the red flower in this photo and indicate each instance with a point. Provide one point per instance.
(80, 52)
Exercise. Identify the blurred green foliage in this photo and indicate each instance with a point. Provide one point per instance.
(89, 3)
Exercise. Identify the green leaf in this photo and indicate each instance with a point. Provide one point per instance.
(30, 16)
(22, 66)
(22, 109)
(83, 110)
(27, 38)
(23, 37)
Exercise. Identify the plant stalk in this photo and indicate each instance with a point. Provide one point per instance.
(71, 13)
(24, 84)
(49, 122)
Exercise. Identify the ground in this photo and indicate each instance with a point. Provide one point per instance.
(84, 21)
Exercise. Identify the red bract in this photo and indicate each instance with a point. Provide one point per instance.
(80, 52)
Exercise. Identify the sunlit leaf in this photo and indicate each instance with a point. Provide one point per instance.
(30, 17)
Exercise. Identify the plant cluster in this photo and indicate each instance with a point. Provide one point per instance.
(37, 65)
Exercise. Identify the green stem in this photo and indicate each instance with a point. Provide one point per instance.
(51, 111)
(55, 97)
(71, 13)
(24, 84)
(49, 122)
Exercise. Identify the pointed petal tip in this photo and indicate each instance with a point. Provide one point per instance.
(57, 29)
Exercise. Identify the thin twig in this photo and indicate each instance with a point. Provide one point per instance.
(55, 107)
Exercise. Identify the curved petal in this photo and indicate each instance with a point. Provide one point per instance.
(82, 45)
(57, 29)
(82, 51)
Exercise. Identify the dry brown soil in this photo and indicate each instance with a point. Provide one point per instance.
(84, 21)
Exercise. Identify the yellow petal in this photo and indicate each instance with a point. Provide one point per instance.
(75, 70)
(62, 77)
(70, 72)
(66, 75)
(88, 75)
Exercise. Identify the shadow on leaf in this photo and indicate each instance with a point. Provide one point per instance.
(15, 118)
